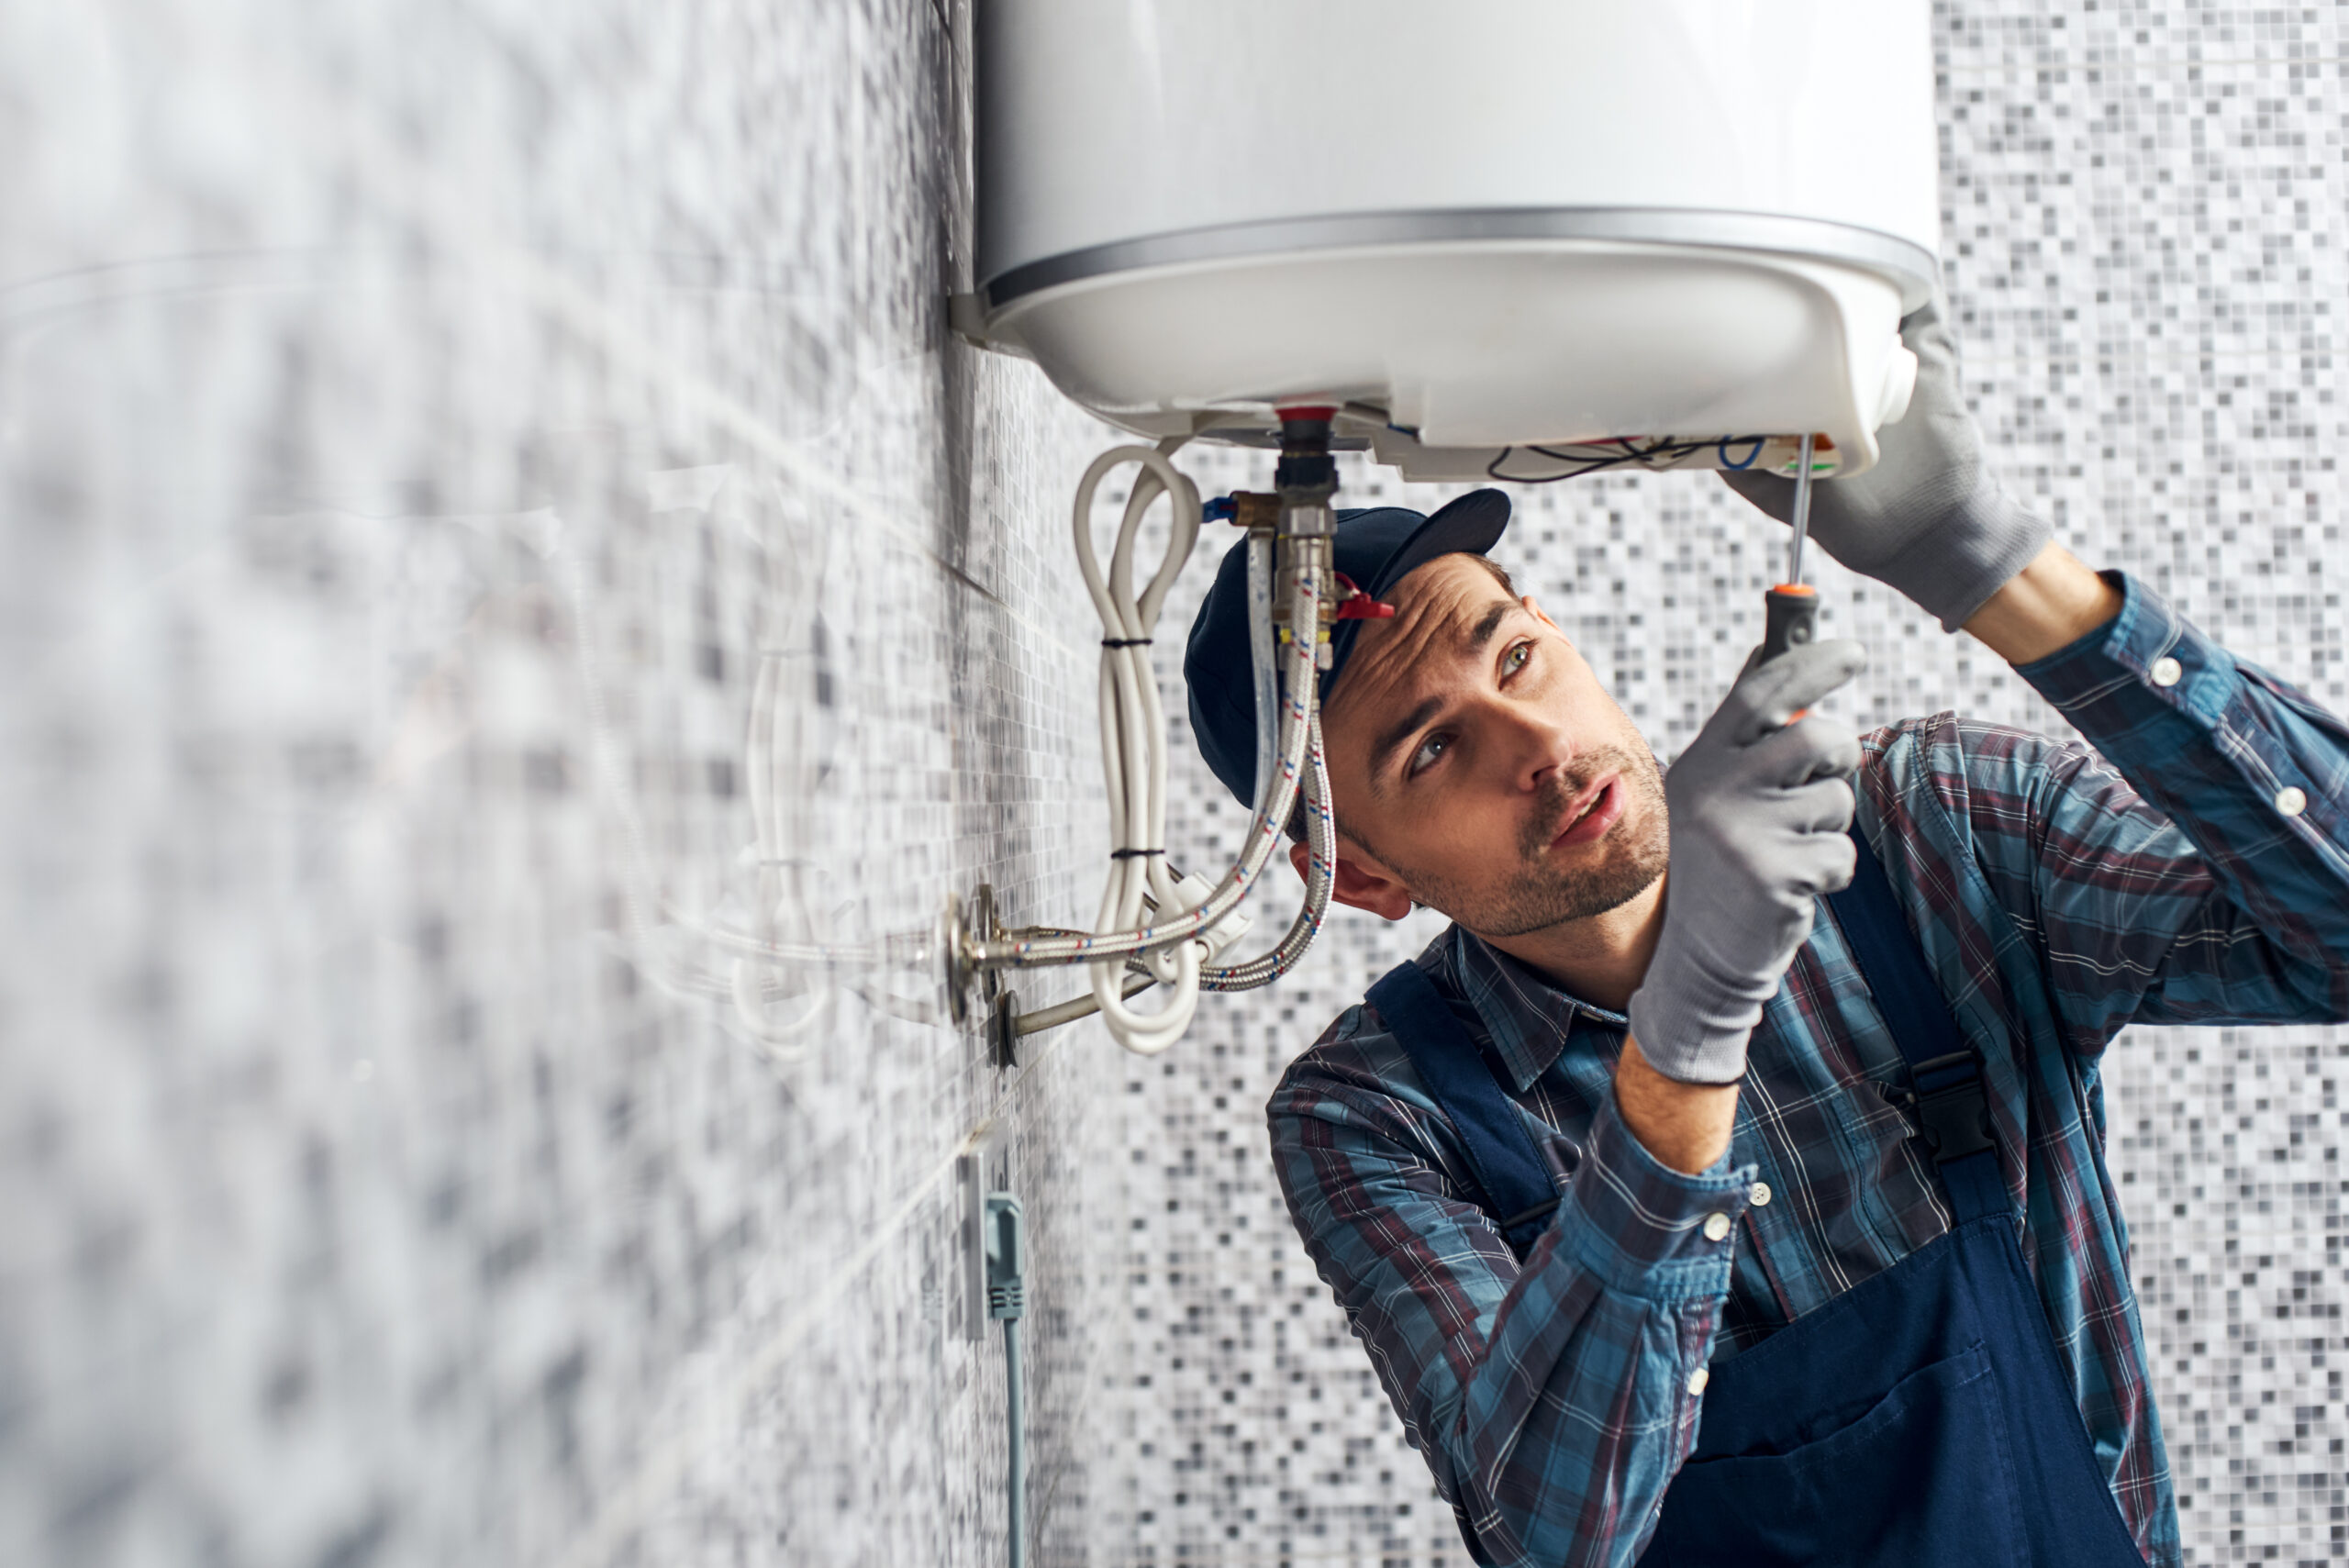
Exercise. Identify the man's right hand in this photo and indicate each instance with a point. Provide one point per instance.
(1760, 803)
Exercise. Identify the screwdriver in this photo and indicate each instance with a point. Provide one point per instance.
(1793, 605)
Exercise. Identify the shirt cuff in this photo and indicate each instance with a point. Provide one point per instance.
(2147, 661)
(1644, 1228)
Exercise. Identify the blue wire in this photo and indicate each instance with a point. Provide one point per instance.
(1750, 458)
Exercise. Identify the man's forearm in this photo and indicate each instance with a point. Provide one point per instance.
(1685, 1126)
(2247, 771)
(2048, 605)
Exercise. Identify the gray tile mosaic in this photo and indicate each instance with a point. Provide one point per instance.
(491, 509)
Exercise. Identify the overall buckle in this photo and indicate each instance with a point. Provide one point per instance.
(1952, 1110)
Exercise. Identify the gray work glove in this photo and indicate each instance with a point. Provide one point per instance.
(1759, 808)
(1927, 519)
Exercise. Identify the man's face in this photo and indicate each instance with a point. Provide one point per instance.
(1475, 758)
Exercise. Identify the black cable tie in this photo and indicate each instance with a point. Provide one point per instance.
(1134, 854)
(1127, 641)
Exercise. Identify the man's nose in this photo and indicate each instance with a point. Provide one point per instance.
(1529, 743)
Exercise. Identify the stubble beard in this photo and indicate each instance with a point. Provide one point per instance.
(1539, 895)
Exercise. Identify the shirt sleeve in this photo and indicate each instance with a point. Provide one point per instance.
(2192, 867)
(1553, 1401)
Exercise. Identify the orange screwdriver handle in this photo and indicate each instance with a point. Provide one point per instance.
(1793, 621)
(1793, 618)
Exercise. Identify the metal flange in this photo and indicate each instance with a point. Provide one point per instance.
(967, 924)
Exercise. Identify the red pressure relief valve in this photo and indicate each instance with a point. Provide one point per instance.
(1354, 603)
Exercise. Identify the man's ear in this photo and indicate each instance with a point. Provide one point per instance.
(1360, 882)
(1538, 613)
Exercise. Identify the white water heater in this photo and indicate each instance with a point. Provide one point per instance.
(1504, 237)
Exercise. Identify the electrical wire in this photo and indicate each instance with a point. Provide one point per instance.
(1750, 458)
(1133, 741)
(1191, 921)
(1134, 761)
(1660, 454)
(1025, 950)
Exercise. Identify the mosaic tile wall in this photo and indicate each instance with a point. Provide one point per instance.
(2145, 213)
(492, 526)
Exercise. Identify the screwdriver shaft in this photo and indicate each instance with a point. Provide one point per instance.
(1802, 510)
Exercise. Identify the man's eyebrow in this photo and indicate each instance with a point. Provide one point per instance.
(1489, 623)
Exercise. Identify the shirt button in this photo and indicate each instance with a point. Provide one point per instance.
(1699, 1378)
(2167, 670)
(2291, 800)
(1759, 1196)
(1716, 1227)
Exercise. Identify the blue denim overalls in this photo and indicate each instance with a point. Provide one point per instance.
(1919, 1420)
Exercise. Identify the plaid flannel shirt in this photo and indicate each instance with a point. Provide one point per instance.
(2193, 868)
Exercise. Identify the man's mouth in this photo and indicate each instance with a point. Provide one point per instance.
(1592, 813)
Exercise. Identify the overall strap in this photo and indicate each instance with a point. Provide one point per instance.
(1518, 1191)
(1952, 1110)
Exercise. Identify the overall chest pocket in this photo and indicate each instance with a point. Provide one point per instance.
(1921, 1477)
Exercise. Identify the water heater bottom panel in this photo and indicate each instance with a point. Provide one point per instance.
(1475, 345)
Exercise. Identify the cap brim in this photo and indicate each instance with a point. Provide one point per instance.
(1473, 523)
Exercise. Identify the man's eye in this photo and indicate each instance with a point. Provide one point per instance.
(1430, 750)
(1516, 658)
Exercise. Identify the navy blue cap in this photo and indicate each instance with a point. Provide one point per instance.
(1377, 547)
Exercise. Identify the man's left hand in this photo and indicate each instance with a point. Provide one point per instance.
(1928, 518)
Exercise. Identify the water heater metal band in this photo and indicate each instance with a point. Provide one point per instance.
(1910, 264)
